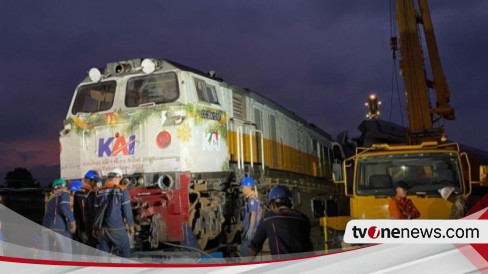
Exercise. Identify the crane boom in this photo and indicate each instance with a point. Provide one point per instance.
(426, 163)
(421, 114)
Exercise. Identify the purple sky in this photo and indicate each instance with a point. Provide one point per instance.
(319, 58)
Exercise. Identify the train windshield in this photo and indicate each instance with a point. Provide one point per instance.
(94, 98)
(152, 89)
(424, 173)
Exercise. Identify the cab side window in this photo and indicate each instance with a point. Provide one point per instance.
(206, 93)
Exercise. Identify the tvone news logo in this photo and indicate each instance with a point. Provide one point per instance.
(373, 232)
(416, 231)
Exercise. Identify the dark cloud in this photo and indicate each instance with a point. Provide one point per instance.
(26, 155)
(320, 59)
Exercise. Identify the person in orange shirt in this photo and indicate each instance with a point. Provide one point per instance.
(400, 206)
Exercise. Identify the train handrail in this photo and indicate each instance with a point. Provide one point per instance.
(240, 151)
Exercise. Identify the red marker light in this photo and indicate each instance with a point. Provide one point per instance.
(163, 139)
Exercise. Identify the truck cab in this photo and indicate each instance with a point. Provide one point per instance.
(425, 168)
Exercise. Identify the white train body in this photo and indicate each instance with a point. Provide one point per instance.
(173, 120)
(194, 133)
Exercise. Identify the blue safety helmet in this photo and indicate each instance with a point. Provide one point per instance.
(280, 194)
(92, 175)
(247, 181)
(75, 185)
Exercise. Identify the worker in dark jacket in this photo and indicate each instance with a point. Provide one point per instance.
(113, 227)
(59, 218)
(288, 229)
(84, 208)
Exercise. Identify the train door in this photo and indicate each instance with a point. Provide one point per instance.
(256, 142)
(316, 164)
(237, 123)
(273, 159)
(301, 149)
(326, 160)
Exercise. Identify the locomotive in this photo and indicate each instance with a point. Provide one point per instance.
(184, 139)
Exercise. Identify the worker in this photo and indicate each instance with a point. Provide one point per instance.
(59, 218)
(252, 212)
(400, 206)
(118, 208)
(73, 187)
(287, 229)
(84, 208)
(459, 208)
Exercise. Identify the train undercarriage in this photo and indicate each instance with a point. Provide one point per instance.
(190, 211)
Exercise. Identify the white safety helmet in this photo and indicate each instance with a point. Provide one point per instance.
(116, 172)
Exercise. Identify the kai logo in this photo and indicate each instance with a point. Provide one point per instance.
(113, 146)
(211, 141)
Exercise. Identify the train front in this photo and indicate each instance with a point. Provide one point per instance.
(139, 116)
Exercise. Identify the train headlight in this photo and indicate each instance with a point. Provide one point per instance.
(123, 68)
(95, 75)
(125, 182)
(140, 181)
(148, 66)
